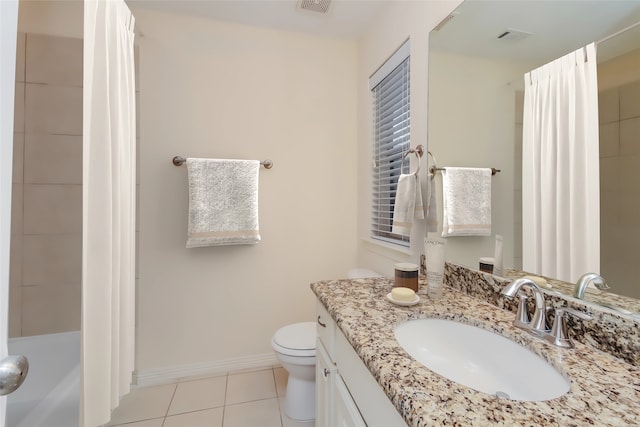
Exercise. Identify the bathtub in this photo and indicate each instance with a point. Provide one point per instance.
(50, 395)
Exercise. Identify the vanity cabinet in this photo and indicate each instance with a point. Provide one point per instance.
(347, 395)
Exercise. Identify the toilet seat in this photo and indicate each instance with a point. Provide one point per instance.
(297, 339)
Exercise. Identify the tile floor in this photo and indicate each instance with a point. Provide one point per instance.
(244, 399)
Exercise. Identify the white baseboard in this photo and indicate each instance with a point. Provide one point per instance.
(205, 369)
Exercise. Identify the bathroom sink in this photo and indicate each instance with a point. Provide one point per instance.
(480, 359)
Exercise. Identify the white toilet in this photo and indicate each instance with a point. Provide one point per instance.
(295, 347)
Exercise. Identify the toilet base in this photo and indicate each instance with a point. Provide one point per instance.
(300, 400)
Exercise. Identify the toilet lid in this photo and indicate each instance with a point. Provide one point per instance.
(298, 336)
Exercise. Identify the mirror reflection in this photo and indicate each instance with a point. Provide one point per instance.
(477, 59)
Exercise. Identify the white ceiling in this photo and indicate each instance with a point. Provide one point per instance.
(345, 18)
(556, 26)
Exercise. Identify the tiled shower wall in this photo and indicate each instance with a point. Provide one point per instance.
(46, 222)
(619, 109)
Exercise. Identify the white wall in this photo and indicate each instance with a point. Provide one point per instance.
(472, 123)
(213, 89)
(397, 22)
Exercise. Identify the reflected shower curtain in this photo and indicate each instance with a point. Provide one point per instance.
(8, 38)
(560, 170)
(108, 241)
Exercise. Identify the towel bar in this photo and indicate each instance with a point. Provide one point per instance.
(434, 169)
(179, 161)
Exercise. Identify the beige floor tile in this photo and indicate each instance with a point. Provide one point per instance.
(250, 386)
(157, 422)
(206, 418)
(144, 403)
(263, 413)
(281, 376)
(199, 394)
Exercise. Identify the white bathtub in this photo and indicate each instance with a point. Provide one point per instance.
(50, 395)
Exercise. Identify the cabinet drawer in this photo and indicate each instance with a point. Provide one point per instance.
(326, 328)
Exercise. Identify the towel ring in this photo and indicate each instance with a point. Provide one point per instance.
(418, 151)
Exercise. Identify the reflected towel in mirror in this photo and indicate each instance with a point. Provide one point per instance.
(466, 199)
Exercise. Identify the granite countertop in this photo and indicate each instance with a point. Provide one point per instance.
(605, 391)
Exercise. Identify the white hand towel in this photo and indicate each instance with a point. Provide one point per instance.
(408, 205)
(466, 197)
(223, 202)
(432, 209)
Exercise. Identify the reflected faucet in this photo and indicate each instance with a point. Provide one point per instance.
(584, 281)
(538, 321)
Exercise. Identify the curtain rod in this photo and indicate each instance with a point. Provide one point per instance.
(617, 33)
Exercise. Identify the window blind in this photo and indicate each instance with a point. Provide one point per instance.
(391, 136)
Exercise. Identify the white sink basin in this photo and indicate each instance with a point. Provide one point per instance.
(480, 359)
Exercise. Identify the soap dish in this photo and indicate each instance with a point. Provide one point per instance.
(403, 303)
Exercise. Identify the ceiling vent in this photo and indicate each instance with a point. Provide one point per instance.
(511, 34)
(320, 6)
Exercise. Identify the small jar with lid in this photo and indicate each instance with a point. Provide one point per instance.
(406, 276)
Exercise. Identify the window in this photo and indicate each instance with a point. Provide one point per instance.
(391, 139)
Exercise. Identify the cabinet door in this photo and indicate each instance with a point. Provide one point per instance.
(347, 413)
(325, 328)
(325, 373)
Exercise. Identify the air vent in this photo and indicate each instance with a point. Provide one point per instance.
(511, 34)
(320, 6)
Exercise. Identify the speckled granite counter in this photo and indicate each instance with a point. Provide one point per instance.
(605, 391)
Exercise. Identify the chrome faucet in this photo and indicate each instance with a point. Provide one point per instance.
(538, 322)
(584, 281)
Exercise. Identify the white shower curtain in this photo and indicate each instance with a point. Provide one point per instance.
(108, 252)
(560, 170)
(8, 38)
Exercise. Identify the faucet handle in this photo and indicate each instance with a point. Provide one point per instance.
(523, 320)
(559, 335)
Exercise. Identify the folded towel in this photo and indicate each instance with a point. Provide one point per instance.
(408, 205)
(432, 209)
(223, 202)
(466, 197)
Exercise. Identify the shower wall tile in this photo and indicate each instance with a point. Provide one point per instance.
(54, 60)
(609, 211)
(50, 309)
(17, 203)
(20, 57)
(629, 174)
(608, 105)
(18, 158)
(18, 108)
(15, 312)
(630, 137)
(53, 109)
(53, 159)
(610, 174)
(15, 261)
(610, 139)
(52, 259)
(630, 100)
(52, 209)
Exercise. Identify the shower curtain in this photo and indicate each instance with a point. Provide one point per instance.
(560, 170)
(108, 241)
(8, 38)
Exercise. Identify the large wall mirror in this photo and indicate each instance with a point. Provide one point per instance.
(477, 59)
